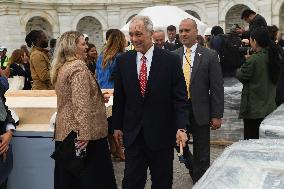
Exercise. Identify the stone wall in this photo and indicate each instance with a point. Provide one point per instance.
(64, 15)
(93, 28)
(233, 16)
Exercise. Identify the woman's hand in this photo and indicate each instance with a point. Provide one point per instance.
(82, 144)
(107, 93)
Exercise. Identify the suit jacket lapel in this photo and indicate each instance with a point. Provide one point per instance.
(133, 73)
(180, 53)
(196, 62)
(153, 70)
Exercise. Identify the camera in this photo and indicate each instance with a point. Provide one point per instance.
(244, 50)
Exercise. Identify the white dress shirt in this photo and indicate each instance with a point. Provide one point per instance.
(149, 56)
(192, 55)
(10, 126)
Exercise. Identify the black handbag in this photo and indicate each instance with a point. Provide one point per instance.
(65, 155)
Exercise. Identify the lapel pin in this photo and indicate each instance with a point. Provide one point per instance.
(199, 54)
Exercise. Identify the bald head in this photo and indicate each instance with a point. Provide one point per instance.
(188, 32)
(191, 21)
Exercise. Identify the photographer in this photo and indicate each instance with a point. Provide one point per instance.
(273, 32)
(259, 76)
(227, 46)
(254, 20)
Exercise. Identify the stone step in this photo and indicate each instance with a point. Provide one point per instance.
(34, 128)
(37, 106)
(32, 110)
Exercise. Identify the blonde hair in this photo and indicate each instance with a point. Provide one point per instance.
(65, 51)
(115, 44)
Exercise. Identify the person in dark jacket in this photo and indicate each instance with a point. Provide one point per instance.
(173, 37)
(92, 56)
(259, 76)
(280, 85)
(273, 33)
(19, 66)
(7, 125)
(159, 40)
(254, 20)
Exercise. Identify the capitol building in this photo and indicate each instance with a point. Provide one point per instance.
(95, 17)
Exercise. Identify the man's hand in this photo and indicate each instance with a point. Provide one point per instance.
(4, 141)
(117, 135)
(181, 137)
(106, 96)
(215, 123)
(240, 30)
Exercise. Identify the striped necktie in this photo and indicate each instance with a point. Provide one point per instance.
(187, 70)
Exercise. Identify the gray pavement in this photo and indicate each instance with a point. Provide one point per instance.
(181, 179)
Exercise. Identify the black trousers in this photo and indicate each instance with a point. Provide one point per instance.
(4, 184)
(98, 173)
(251, 128)
(199, 162)
(110, 125)
(139, 157)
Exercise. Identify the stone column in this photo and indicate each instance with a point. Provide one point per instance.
(11, 35)
(212, 12)
(113, 16)
(264, 9)
(64, 18)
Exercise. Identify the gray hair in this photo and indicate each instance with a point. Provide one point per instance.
(159, 30)
(191, 20)
(146, 20)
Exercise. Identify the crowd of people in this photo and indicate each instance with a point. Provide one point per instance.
(165, 91)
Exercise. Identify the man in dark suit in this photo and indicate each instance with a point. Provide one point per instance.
(7, 127)
(150, 108)
(204, 81)
(173, 37)
(159, 40)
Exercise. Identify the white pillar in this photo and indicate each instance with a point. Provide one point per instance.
(12, 37)
(64, 18)
(113, 16)
(212, 14)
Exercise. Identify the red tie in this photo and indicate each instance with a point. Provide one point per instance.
(143, 75)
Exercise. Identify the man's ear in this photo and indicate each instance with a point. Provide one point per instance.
(151, 33)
